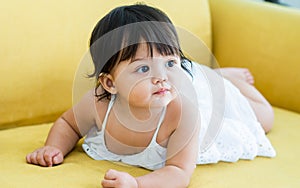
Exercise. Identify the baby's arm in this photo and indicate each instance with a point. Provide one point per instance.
(178, 169)
(62, 138)
(65, 133)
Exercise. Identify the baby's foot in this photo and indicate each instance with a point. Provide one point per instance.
(232, 74)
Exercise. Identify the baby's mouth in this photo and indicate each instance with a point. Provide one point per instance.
(161, 91)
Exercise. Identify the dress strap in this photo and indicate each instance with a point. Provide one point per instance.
(162, 117)
(111, 103)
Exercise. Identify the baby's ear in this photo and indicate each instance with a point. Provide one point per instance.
(107, 82)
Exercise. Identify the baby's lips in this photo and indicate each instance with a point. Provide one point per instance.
(161, 91)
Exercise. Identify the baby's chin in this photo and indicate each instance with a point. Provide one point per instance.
(162, 100)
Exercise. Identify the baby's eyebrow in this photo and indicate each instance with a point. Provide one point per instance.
(170, 57)
(138, 59)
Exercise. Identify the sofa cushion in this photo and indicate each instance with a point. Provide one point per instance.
(78, 170)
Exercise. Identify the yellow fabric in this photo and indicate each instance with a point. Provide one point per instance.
(42, 43)
(79, 170)
(265, 38)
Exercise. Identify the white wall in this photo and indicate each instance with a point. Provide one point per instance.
(295, 3)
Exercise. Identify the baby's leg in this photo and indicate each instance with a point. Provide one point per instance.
(262, 108)
(237, 73)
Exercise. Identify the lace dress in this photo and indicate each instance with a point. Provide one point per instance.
(229, 128)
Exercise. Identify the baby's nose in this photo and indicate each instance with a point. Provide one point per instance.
(159, 76)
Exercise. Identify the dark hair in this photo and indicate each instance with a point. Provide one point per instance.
(117, 36)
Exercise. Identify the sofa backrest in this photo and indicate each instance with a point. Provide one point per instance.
(43, 42)
(263, 37)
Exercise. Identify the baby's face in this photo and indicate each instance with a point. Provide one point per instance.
(148, 81)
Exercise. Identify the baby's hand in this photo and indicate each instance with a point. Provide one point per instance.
(45, 156)
(117, 179)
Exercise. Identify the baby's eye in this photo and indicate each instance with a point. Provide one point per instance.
(143, 69)
(170, 63)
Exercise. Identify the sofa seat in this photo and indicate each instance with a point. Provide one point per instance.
(78, 170)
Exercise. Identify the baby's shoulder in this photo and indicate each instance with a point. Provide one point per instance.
(173, 112)
(91, 108)
(181, 111)
(101, 107)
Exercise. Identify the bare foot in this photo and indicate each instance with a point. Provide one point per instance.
(232, 74)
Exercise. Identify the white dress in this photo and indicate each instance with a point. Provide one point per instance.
(229, 128)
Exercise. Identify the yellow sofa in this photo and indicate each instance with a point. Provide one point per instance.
(43, 43)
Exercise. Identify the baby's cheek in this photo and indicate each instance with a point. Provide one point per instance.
(125, 87)
(180, 80)
(139, 92)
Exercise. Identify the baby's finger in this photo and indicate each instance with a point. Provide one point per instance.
(48, 155)
(110, 174)
(28, 156)
(32, 157)
(58, 158)
(108, 183)
(40, 158)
